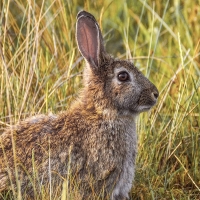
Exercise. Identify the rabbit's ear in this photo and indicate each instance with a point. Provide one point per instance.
(89, 38)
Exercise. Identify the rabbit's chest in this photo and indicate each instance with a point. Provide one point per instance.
(124, 183)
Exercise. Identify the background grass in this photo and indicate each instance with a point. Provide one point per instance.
(41, 71)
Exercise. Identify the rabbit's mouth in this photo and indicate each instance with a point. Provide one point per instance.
(145, 104)
(147, 100)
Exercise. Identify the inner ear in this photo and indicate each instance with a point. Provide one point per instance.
(87, 33)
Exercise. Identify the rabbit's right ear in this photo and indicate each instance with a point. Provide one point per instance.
(89, 38)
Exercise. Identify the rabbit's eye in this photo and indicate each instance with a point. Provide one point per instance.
(123, 76)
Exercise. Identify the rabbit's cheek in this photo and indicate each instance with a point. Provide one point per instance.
(127, 101)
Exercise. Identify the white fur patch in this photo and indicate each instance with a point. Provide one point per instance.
(37, 118)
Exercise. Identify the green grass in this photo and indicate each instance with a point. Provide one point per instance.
(41, 72)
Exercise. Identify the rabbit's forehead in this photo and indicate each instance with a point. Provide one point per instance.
(125, 66)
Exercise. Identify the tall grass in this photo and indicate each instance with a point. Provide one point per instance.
(41, 70)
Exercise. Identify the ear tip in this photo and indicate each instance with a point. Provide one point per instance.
(80, 13)
(84, 13)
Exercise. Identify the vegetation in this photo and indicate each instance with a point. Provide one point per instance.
(41, 70)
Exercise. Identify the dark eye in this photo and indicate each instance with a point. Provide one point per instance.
(123, 76)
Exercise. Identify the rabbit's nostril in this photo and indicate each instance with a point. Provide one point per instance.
(155, 95)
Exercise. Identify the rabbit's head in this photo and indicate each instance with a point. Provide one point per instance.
(112, 83)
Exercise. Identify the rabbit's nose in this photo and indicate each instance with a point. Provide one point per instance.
(154, 95)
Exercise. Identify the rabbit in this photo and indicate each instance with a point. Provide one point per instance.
(96, 137)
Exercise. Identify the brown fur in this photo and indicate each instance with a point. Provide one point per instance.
(96, 136)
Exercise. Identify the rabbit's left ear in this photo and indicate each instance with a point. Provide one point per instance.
(89, 38)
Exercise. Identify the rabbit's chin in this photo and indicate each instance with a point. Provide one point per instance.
(144, 108)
